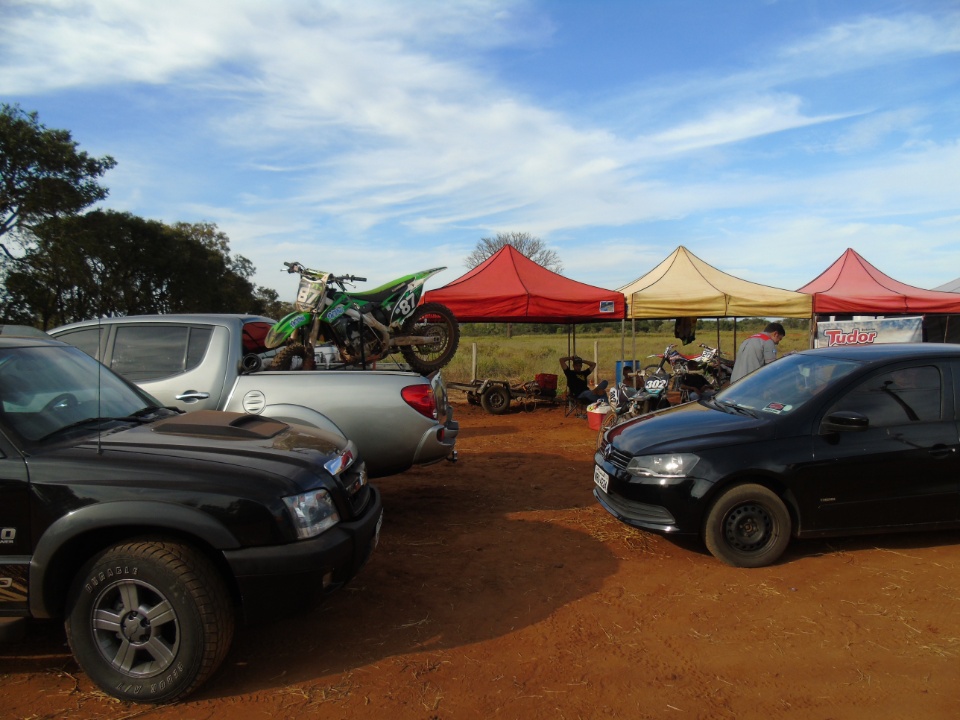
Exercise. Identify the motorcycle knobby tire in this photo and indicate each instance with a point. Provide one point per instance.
(283, 360)
(609, 420)
(431, 319)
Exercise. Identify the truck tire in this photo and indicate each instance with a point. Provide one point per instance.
(435, 320)
(149, 620)
(283, 360)
(495, 400)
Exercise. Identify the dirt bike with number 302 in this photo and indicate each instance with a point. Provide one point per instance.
(627, 403)
(365, 326)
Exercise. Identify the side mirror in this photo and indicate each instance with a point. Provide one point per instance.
(844, 421)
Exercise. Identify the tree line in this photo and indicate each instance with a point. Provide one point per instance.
(63, 262)
(704, 325)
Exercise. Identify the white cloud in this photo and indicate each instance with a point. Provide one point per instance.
(872, 39)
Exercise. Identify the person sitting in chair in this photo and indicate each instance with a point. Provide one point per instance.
(578, 385)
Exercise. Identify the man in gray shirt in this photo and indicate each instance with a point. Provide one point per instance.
(757, 350)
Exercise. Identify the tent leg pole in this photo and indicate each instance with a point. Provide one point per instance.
(596, 361)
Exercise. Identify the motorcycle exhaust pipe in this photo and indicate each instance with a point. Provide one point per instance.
(370, 321)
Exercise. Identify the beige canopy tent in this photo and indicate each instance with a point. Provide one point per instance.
(683, 285)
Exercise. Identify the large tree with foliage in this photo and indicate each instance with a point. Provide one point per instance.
(43, 174)
(525, 243)
(108, 263)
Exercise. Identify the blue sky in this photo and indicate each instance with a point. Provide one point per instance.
(381, 138)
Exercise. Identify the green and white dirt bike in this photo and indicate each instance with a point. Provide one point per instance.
(365, 327)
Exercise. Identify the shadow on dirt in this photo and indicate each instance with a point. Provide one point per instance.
(455, 566)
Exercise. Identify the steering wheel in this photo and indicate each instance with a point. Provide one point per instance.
(62, 401)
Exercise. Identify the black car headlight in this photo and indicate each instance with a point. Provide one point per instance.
(312, 512)
(662, 469)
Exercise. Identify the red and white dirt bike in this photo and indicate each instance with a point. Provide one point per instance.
(708, 369)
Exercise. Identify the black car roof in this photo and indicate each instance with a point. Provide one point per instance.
(889, 351)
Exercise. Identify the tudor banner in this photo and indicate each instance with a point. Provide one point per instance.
(869, 332)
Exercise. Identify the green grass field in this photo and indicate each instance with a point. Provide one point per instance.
(519, 358)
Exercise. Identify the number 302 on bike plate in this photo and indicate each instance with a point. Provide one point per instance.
(601, 478)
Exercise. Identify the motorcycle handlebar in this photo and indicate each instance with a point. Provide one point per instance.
(295, 267)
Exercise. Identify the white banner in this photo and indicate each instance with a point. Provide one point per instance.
(869, 332)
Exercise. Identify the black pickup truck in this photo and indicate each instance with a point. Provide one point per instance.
(150, 532)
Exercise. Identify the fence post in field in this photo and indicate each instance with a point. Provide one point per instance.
(473, 362)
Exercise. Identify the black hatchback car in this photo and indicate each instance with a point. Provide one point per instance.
(824, 442)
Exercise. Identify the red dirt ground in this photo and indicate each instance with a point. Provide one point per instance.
(502, 590)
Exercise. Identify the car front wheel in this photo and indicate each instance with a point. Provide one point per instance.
(747, 526)
(149, 621)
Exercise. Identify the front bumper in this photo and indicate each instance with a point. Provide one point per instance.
(668, 509)
(637, 514)
(276, 579)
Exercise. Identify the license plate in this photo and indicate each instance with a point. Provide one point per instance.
(601, 478)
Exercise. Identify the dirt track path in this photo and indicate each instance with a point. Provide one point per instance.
(502, 590)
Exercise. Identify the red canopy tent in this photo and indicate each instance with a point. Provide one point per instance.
(509, 287)
(853, 286)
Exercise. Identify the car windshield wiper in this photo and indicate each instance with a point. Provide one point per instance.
(96, 421)
(146, 413)
(742, 409)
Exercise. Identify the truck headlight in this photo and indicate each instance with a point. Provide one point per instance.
(312, 512)
(662, 469)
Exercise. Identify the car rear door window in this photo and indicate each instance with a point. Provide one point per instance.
(153, 352)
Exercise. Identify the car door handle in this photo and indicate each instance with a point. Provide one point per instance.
(192, 396)
(941, 451)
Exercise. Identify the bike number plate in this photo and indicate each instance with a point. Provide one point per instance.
(601, 478)
(655, 383)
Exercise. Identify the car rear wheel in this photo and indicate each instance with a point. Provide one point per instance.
(149, 621)
(747, 526)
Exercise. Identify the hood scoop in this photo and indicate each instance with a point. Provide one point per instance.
(217, 424)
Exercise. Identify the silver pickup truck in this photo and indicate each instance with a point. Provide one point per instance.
(396, 418)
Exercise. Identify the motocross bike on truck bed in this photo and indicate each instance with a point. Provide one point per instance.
(365, 327)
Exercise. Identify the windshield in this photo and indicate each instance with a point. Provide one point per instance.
(46, 389)
(785, 385)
